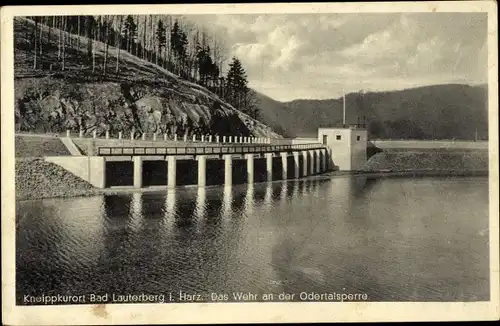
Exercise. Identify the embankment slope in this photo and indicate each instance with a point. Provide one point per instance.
(36, 179)
(465, 161)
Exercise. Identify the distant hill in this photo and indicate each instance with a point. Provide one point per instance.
(431, 112)
(141, 96)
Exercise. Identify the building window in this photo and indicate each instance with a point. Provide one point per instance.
(358, 138)
(325, 139)
(339, 137)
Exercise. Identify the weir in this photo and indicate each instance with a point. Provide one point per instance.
(219, 164)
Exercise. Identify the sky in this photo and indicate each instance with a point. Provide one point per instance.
(315, 56)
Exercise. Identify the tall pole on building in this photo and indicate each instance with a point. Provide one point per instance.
(343, 106)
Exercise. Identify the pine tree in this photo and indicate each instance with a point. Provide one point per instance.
(178, 43)
(130, 32)
(161, 37)
(174, 39)
(236, 84)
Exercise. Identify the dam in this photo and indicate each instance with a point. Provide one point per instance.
(210, 160)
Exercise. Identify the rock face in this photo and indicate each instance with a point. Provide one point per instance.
(140, 96)
(53, 105)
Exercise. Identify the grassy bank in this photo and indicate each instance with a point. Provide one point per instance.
(442, 160)
(38, 146)
(36, 179)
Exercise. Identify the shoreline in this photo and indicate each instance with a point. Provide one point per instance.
(328, 175)
(39, 179)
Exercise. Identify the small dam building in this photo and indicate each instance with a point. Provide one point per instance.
(347, 146)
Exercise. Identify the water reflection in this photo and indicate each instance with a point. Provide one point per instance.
(249, 200)
(394, 239)
(136, 211)
(227, 200)
(268, 197)
(170, 209)
(200, 208)
(284, 191)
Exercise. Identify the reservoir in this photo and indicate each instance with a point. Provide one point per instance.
(390, 239)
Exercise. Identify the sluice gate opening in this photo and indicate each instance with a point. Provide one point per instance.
(154, 173)
(239, 173)
(277, 165)
(215, 172)
(260, 172)
(119, 174)
(187, 172)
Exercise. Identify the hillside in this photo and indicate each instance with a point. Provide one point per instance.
(431, 112)
(140, 96)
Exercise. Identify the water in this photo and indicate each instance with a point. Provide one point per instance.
(392, 239)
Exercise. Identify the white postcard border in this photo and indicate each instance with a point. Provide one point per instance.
(174, 313)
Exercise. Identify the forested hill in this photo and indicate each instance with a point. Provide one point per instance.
(70, 75)
(431, 112)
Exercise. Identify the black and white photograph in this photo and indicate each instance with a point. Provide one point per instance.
(186, 155)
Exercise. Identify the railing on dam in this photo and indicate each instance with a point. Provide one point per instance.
(208, 150)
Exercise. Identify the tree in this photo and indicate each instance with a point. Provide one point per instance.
(35, 41)
(50, 28)
(253, 104)
(118, 45)
(89, 26)
(151, 40)
(236, 84)
(178, 42)
(161, 37)
(94, 46)
(130, 32)
(144, 33)
(59, 44)
(208, 70)
(42, 19)
(137, 39)
(78, 33)
(106, 41)
(168, 48)
(63, 42)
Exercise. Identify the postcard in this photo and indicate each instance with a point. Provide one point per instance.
(249, 163)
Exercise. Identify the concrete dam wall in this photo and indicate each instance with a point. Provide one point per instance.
(201, 170)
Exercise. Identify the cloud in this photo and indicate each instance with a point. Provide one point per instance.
(318, 54)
